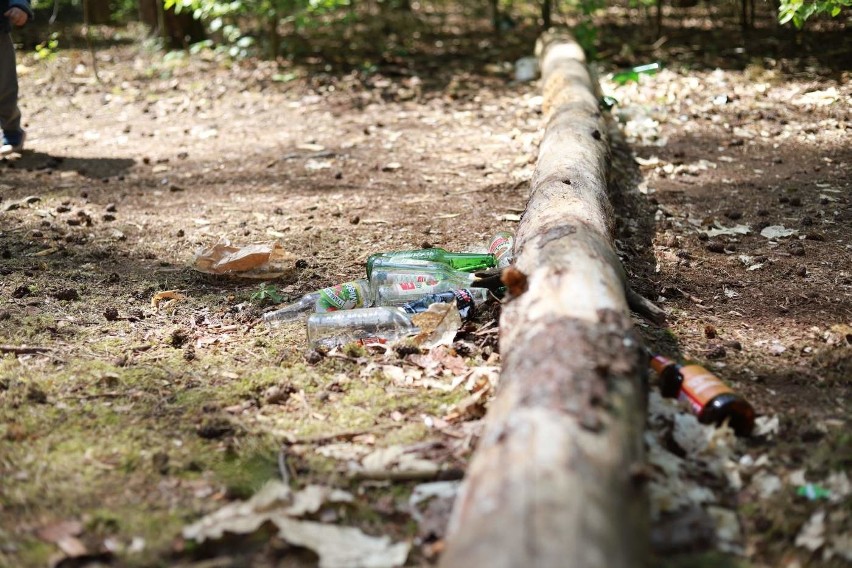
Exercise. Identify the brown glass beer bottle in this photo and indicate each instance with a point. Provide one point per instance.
(710, 399)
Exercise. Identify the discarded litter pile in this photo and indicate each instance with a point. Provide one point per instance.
(423, 293)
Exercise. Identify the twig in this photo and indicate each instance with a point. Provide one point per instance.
(283, 466)
(94, 396)
(23, 349)
(397, 475)
(486, 329)
(348, 435)
(645, 307)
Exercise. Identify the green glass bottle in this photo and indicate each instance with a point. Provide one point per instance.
(463, 261)
(632, 74)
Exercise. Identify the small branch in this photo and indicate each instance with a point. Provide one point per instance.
(397, 475)
(645, 307)
(283, 466)
(23, 349)
(348, 435)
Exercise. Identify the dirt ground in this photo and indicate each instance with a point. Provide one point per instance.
(122, 422)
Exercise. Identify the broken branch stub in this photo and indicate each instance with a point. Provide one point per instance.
(551, 482)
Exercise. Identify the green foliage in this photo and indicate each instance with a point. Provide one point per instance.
(215, 12)
(238, 24)
(585, 31)
(47, 49)
(798, 11)
(266, 293)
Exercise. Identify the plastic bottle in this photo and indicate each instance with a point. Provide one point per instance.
(466, 300)
(346, 296)
(464, 261)
(366, 326)
(501, 246)
(705, 393)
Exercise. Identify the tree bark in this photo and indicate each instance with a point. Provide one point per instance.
(555, 479)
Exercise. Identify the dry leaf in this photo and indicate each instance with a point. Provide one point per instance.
(472, 407)
(438, 325)
(72, 546)
(382, 458)
(812, 535)
(342, 547)
(242, 517)
(169, 296)
(344, 451)
(337, 547)
(57, 531)
(735, 230)
(394, 458)
(777, 232)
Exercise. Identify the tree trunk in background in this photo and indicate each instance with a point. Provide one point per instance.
(659, 18)
(178, 30)
(495, 15)
(99, 11)
(546, 13)
(274, 36)
(148, 14)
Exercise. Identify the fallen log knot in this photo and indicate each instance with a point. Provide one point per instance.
(515, 281)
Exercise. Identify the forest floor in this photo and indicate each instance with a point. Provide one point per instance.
(124, 420)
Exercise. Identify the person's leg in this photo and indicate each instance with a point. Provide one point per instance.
(10, 115)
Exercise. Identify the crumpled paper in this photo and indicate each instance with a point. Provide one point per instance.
(259, 260)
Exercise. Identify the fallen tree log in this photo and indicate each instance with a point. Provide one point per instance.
(557, 477)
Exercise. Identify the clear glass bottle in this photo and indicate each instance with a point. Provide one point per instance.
(346, 296)
(464, 261)
(399, 293)
(369, 325)
(394, 271)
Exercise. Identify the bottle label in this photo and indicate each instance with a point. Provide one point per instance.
(501, 244)
(463, 299)
(414, 288)
(699, 387)
(397, 277)
(344, 296)
(464, 302)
